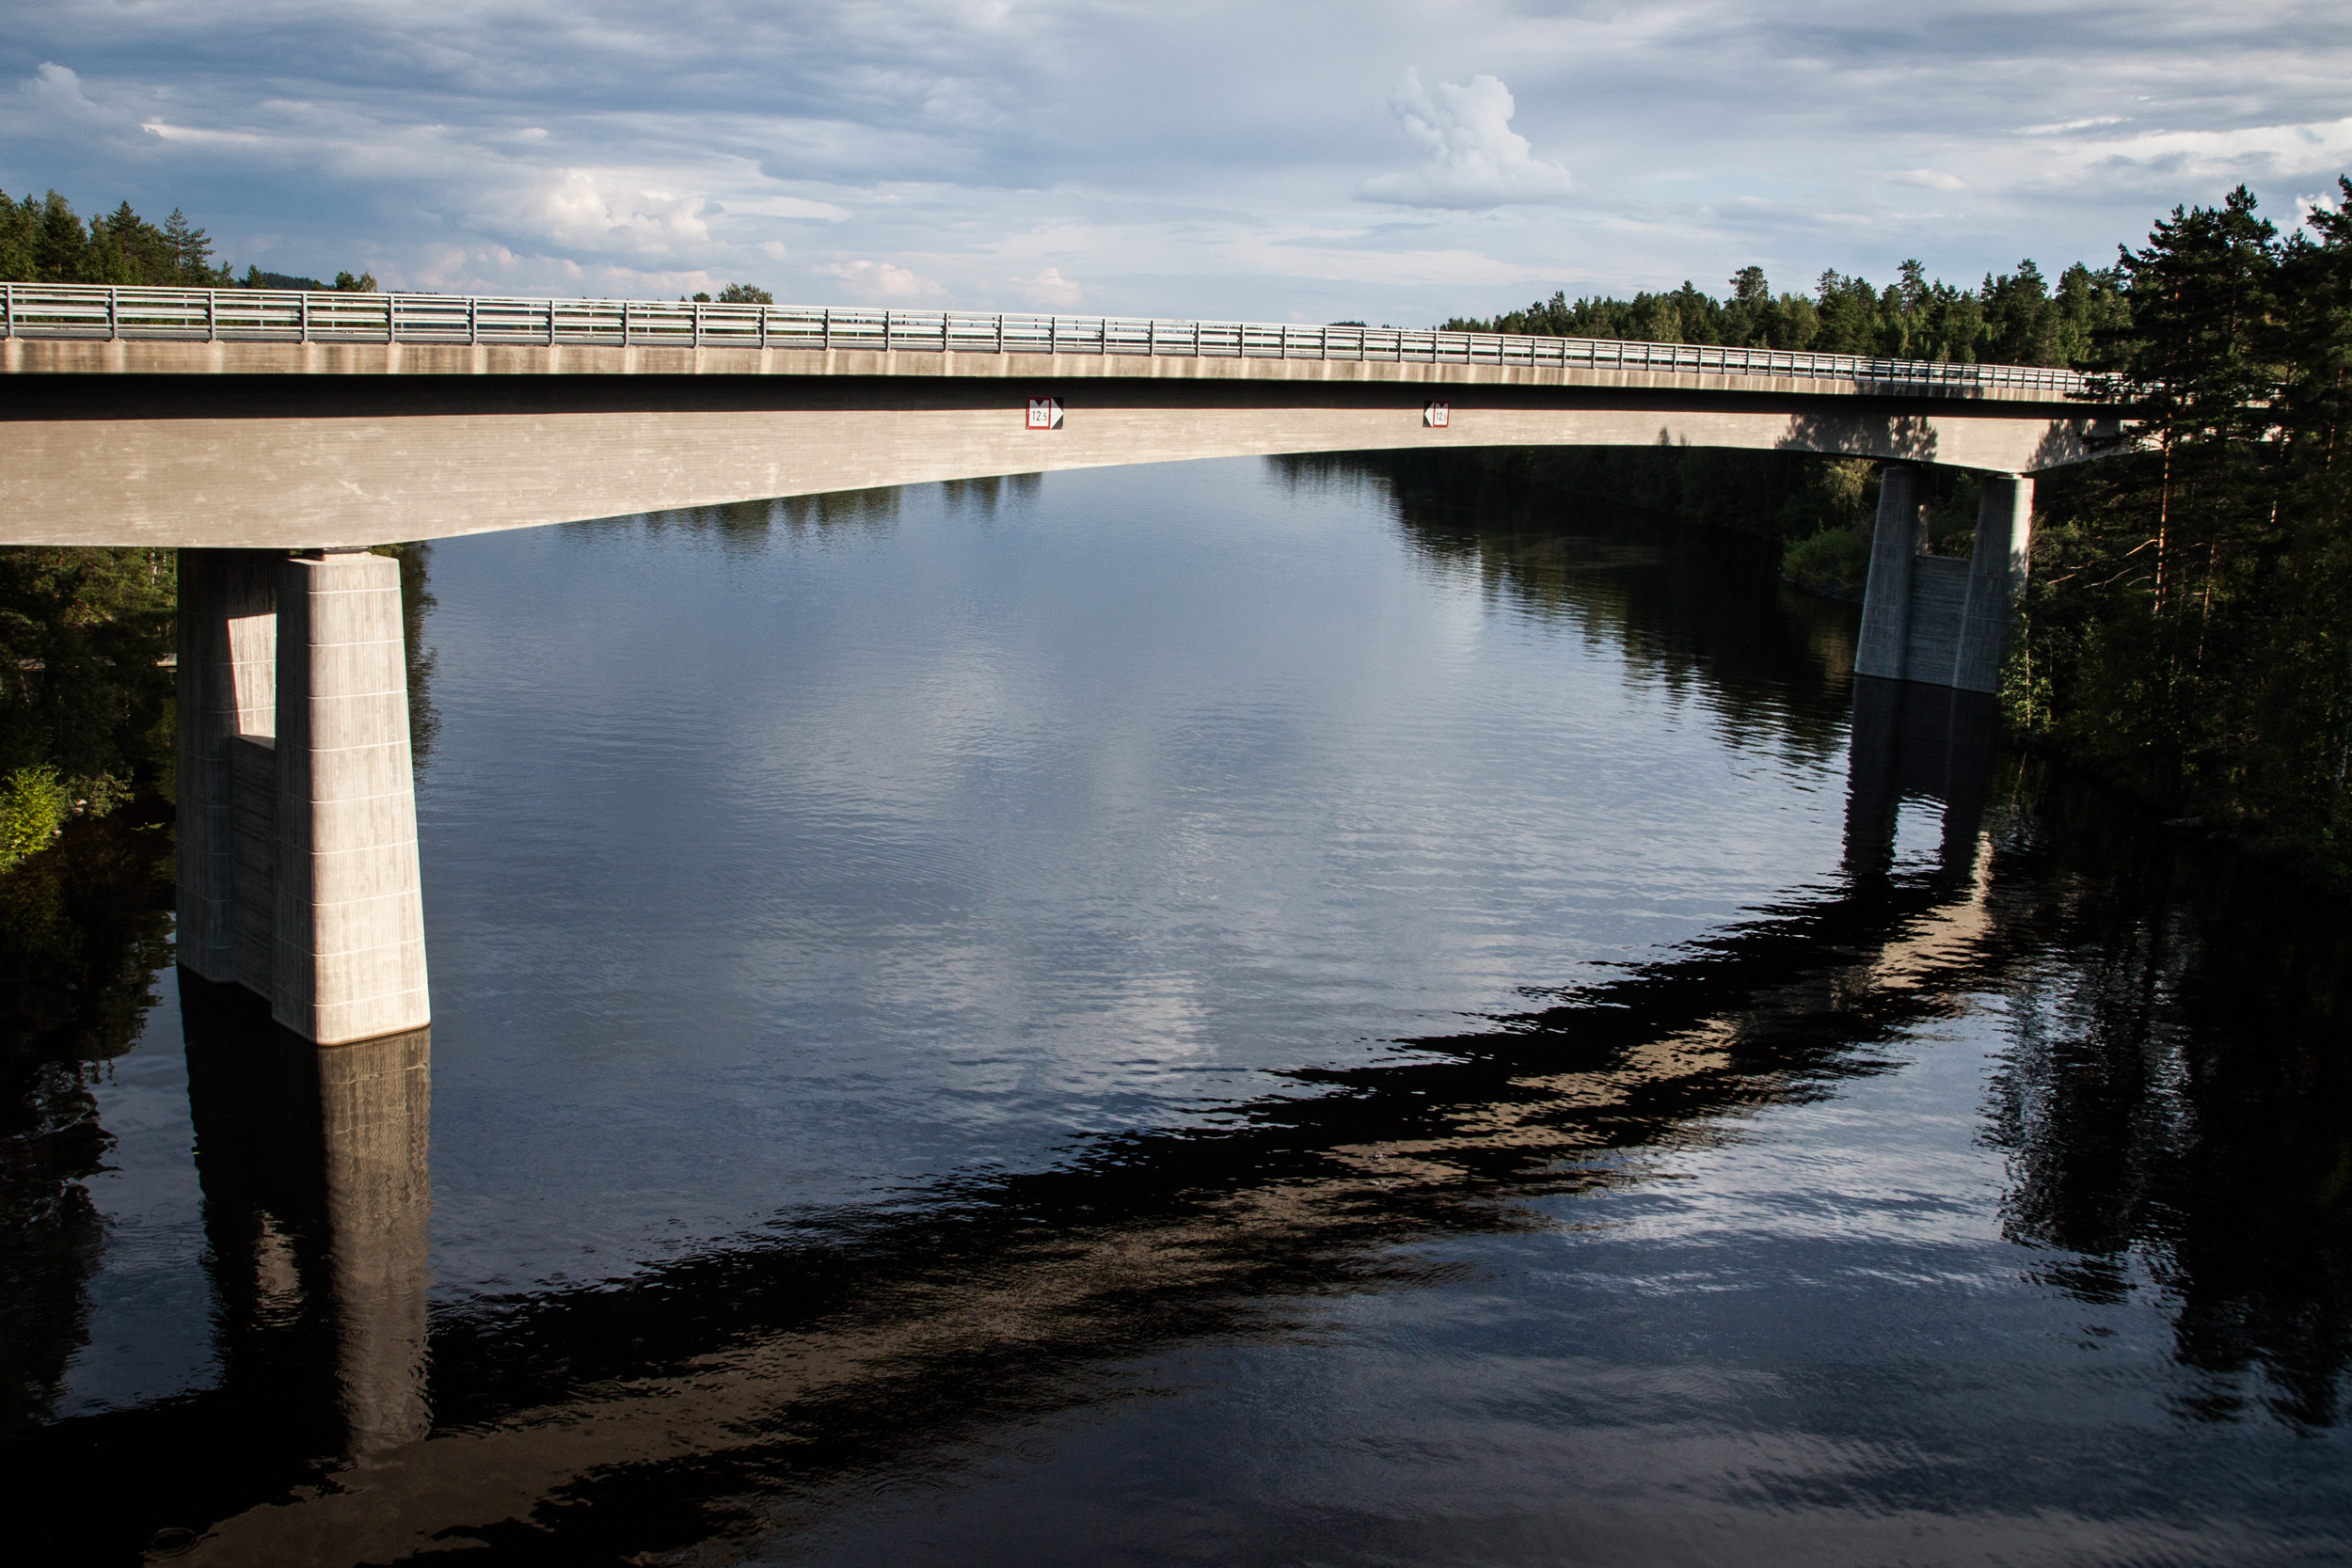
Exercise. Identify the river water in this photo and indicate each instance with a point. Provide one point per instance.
(1236, 1012)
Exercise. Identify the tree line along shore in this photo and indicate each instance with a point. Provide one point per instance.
(2186, 628)
(2186, 631)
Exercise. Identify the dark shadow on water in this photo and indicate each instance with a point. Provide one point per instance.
(715, 1389)
(2174, 1111)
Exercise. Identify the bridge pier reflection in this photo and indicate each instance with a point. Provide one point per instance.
(317, 1199)
(1914, 740)
(298, 870)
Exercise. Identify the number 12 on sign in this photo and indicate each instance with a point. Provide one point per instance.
(1437, 416)
(1045, 413)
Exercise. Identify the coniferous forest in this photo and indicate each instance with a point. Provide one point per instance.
(2187, 631)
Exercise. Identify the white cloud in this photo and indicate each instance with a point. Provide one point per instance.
(792, 207)
(2062, 127)
(881, 281)
(2208, 157)
(1476, 159)
(2320, 202)
(1049, 288)
(597, 212)
(55, 93)
(1927, 179)
(522, 146)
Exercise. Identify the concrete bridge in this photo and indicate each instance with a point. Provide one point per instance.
(242, 426)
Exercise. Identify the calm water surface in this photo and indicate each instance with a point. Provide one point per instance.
(1234, 1013)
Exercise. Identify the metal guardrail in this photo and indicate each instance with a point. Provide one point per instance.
(259, 315)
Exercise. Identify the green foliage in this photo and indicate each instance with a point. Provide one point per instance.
(2189, 628)
(745, 294)
(2189, 623)
(83, 687)
(2013, 318)
(256, 279)
(1835, 562)
(44, 241)
(33, 808)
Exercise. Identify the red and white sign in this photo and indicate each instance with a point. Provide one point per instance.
(1437, 414)
(1045, 413)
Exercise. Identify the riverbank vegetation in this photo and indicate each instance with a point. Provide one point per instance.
(42, 240)
(2188, 627)
(86, 696)
(2013, 318)
(2188, 630)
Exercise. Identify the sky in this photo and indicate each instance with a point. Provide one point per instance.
(1385, 160)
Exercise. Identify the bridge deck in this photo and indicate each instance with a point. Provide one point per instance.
(71, 329)
(245, 419)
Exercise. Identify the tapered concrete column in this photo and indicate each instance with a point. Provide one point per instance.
(1996, 575)
(350, 909)
(1895, 541)
(227, 663)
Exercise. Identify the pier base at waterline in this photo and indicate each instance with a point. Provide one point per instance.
(297, 819)
(1938, 620)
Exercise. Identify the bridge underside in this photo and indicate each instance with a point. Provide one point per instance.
(298, 870)
(326, 461)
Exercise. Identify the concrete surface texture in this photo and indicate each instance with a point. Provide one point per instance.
(310, 445)
(1941, 620)
(349, 962)
(1895, 544)
(227, 666)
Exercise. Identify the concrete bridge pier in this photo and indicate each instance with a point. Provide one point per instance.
(298, 862)
(1939, 620)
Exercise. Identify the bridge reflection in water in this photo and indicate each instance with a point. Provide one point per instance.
(721, 1393)
(317, 1203)
(696, 1398)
